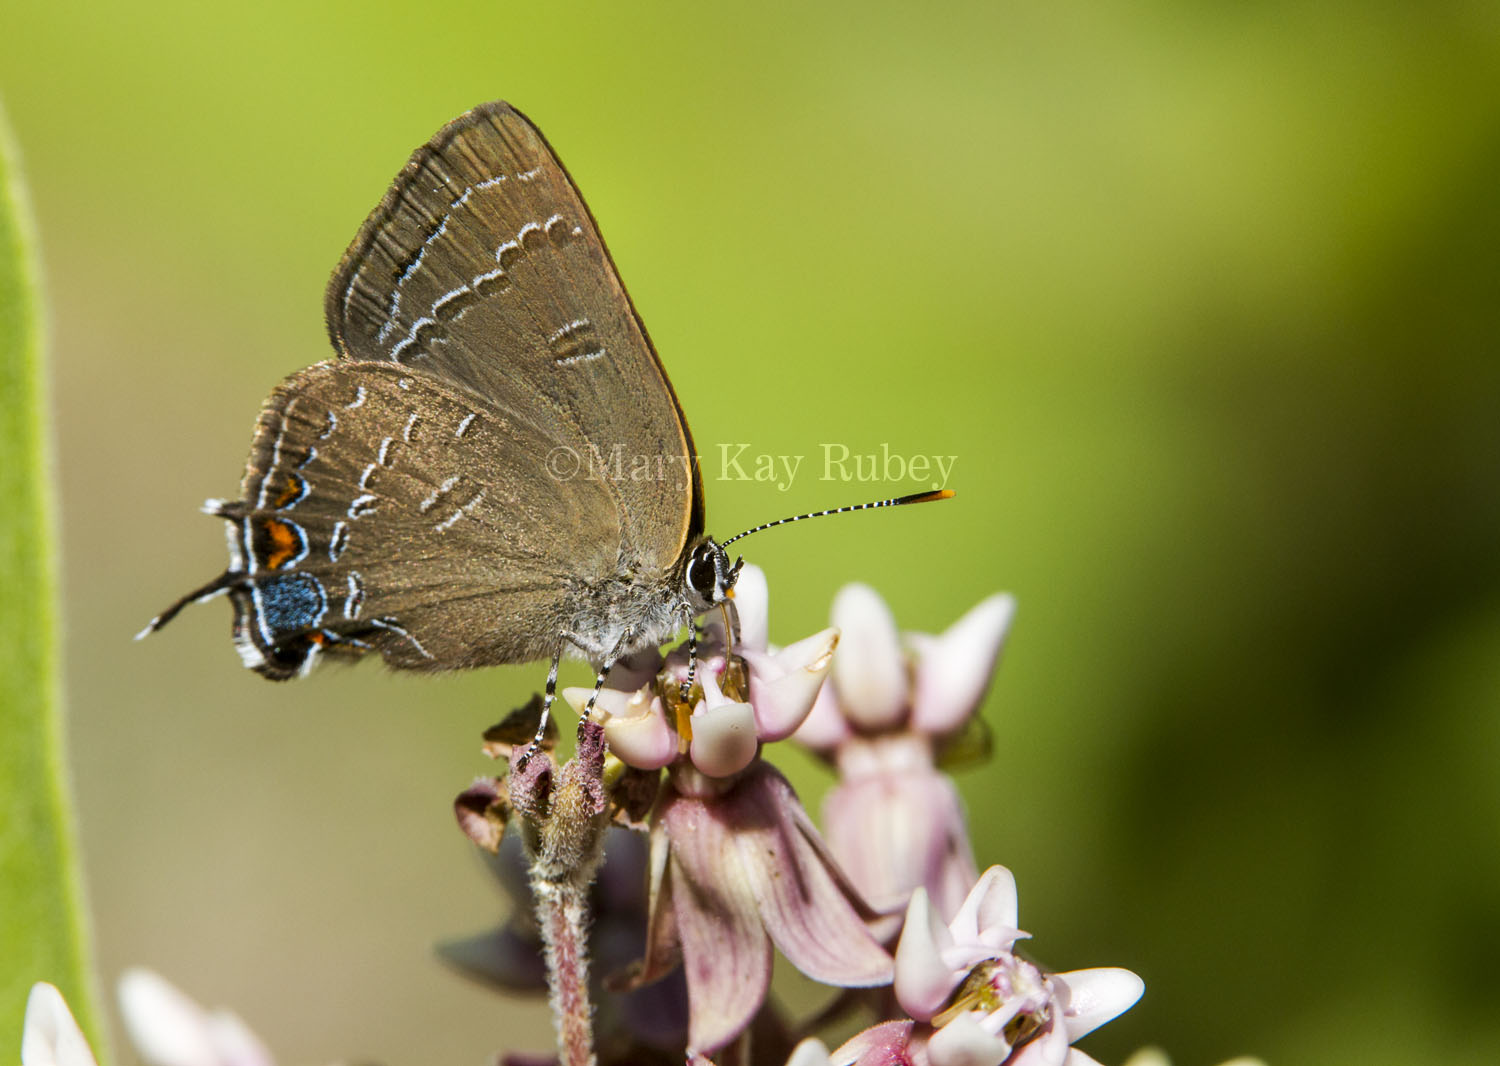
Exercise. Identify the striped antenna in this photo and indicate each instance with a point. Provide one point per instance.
(898, 501)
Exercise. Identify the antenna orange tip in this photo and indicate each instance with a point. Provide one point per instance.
(926, 497)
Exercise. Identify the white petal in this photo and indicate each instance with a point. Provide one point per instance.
(724, 740)
(752, 601)
(811, 1052)
(166, 1027)
(990, 905)
(953, 670)
(814, 653)
(610, 701)
(50, 1036)
(639, 733)
(1049, 1047)
(924, 980)
(964, 1042)
(713, 695)
(870, 670)
(1095, 996)
(235, 1044)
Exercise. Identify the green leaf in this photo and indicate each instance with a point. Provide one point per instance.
(41, 902)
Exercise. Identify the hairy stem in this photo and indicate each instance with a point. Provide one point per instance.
(563, 915)
(565, 840)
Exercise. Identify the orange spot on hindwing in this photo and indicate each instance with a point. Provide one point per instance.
(280, 543)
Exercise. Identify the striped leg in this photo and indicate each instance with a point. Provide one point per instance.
(547, 698)
(687, 686)
(609, 664)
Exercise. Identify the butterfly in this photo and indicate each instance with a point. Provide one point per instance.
(494, 468)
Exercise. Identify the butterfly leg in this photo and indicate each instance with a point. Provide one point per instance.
(687, 686)
(609, 664)
(551, 691)
(547, 698)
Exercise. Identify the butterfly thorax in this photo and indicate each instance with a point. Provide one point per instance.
(640, 609)
(641, 613)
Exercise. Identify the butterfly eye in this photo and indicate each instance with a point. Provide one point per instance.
(703, 574)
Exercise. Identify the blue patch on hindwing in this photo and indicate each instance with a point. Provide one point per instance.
(288, 603)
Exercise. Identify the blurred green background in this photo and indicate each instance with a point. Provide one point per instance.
(1203, 297)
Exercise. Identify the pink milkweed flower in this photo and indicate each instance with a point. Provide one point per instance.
(736, 864)
(988, 1005)
(735, 871)
(894, 820)
(647, 726)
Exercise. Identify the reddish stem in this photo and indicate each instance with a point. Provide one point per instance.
(562, 912)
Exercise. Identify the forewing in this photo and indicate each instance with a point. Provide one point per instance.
(483, 267)
(387, 509)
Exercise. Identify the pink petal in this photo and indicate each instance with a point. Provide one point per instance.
(956, 868)
(663, 952)
(482, 810)
(726, 954)
(724, 740)
(895, 831)
(825, 726)
(965, 1042)
(784, 686)
(1095, 996)
(637, 730)
(870, 670)
(636, 671)
(953, 670)
(805, 905)
(924, 979)
(886, 1044)
(50, 1036)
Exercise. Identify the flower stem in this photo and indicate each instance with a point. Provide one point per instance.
(565, 840)
(562, 914)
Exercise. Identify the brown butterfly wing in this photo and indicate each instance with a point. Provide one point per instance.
(366, 524)
(482, 266)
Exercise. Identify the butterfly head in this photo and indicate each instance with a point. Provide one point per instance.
(708, 577)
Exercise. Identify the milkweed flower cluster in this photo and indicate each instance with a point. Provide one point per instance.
(656, 873)
(892, 708)
(886, 901)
